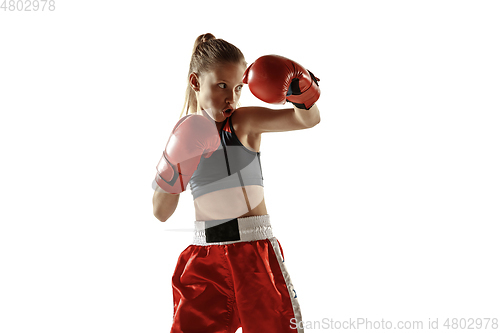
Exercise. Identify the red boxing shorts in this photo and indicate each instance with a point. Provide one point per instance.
(233, 275)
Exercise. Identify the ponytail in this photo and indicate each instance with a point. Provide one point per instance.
(208, 52)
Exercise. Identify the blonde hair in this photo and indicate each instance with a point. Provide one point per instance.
(208, 52)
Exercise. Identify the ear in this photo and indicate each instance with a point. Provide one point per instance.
(194, 82)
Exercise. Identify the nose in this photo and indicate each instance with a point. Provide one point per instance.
(231, 97)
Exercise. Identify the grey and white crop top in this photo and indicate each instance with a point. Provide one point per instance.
(231, 165)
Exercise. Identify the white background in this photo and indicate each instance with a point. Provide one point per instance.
(388, 209)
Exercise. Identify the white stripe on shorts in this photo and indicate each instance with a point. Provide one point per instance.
(291, 289)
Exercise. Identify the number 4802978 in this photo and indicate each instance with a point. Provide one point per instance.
(28, 5)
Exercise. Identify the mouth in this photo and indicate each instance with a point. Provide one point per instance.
(227, 111)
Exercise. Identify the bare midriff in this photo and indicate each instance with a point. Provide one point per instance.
(231, 203)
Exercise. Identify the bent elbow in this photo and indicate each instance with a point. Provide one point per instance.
(161, 216)
(318, 120)
(164, 205)
(314, 122)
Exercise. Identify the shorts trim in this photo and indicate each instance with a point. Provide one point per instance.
(288, 281)
(244, 229)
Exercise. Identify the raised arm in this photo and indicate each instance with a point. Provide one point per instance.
(276, 80)
(192, 137)
(262, 120)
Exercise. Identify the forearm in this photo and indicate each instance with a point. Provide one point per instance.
(309, 118)
(164, 205)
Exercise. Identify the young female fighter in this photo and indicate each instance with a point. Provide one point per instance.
(233, 275)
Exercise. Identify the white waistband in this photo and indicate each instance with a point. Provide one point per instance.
(250, 228)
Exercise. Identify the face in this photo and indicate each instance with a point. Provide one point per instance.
(219, 90)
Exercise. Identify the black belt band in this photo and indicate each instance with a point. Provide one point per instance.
(220, 231)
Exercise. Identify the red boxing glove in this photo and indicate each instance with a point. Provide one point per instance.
(275, 79)
(193, 136)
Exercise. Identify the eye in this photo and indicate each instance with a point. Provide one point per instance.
(222, 85)
(238, 88)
